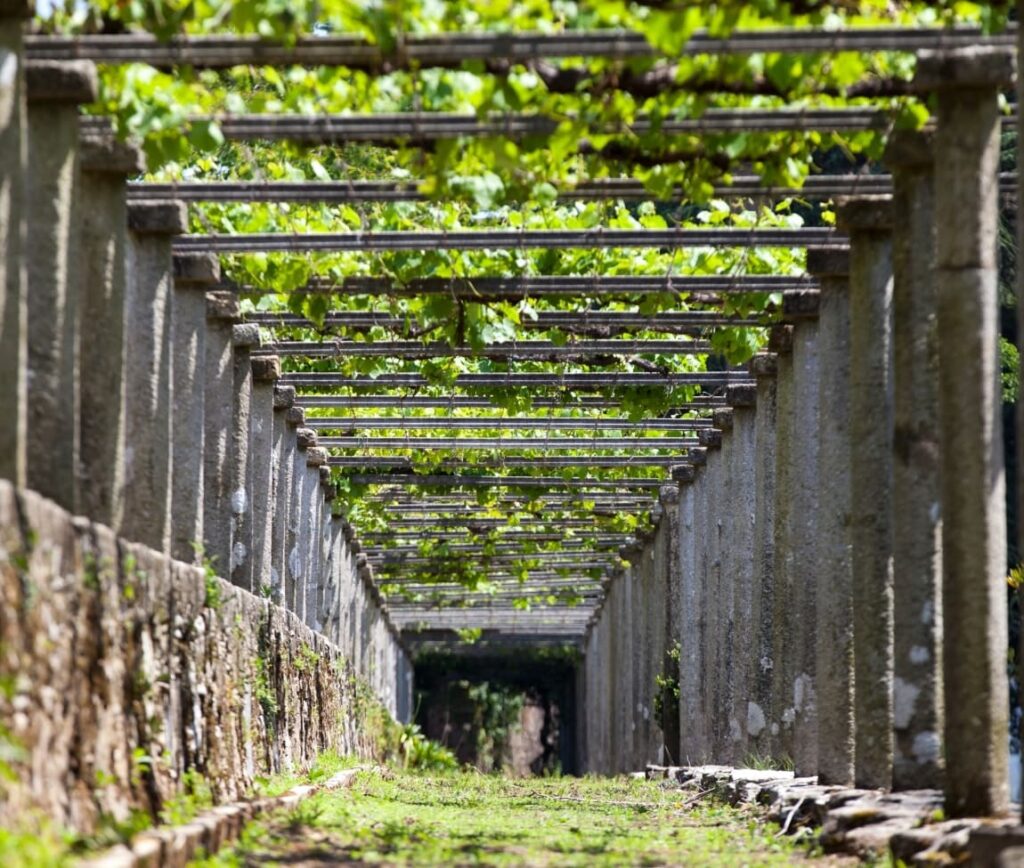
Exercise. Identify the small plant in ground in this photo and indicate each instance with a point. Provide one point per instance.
(419, 752)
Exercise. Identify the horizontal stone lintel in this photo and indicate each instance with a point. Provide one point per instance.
(196, 269)
(67, 81)
(163, 217)
(970, 67)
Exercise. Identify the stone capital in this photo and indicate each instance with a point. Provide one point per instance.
(800, 304)
(266, 369)
(305, 438)
(158, 217)
(780, 339)
(111, 157)
(61, 81)
(17, 8)
(722, 418)
(764, 365)
(710, 438)
(284, 397)
(316, 456)
(741, 395)
(864, 214)
(195, 269)
(296, 417)
(682, 473)
(697, 457)
(972, 67)
(828, 261)
(908, 150)
(222, 306)
(668, 495)
(245, 335)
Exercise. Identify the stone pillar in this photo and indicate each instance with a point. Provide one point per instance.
(193, 273)
(869, 222)
(221, 315)
(148, 299)
(244, 337)
(916, 495)
(302, 493)
(764, 367)
(283, 464)
(55, 90)
(703, 543)
(687, 633)
(297, 440)
(785, 620)
(968, 82)
(100, 288)
(13, 302)
(669, 498)
(801, 309)
(742, 499)
(834, 618)
(266, 371)
(719, 445)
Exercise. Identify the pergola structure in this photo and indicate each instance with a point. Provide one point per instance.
(719, 450)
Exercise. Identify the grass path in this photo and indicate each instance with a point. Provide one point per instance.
(462, 818)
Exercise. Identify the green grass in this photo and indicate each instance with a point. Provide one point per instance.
(464, 818)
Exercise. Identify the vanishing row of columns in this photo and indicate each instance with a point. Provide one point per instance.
(841, 590)
(133, 396)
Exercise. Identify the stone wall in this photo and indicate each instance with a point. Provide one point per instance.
(121, 669)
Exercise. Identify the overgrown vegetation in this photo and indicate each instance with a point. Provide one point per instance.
(466, 818)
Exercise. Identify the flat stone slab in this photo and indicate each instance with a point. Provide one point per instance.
(869, 824)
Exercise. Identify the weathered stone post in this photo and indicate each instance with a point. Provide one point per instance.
(785, 620)
(801, 309)
(55, 90)
(222, 314)
(764, 367)
(244, 338)
(743, 400)
(193, 274)
(718, 441)
(686, 634)
(668, 497)
(13, 302)
(916, 496)
(100, 288)
(266, 371)
(300, 565)
(283, 464)
(148, 299)
(968, 82)
(704, 561)
(869, 222)
(297, 441)
(834, 620)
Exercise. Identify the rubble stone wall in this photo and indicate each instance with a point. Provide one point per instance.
(121, 670)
